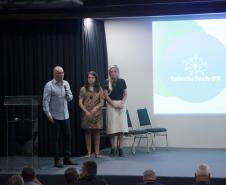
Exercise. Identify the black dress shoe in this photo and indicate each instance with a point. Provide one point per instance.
(69, 162)
(58, 164)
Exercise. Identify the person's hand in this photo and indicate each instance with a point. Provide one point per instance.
(121, 105)
(94, 111)
(89, 115)
(118, 105)
(50, 120)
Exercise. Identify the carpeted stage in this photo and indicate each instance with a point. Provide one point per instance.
(174, 166)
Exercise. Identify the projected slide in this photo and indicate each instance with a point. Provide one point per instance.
(189, 66)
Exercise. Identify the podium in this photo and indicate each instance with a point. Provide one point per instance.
(21, 131)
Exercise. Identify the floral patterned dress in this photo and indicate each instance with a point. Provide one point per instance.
(92, 99)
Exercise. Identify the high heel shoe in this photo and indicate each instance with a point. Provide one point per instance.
(120, 152)
(98, 155)
(112, 152)
(88, 156)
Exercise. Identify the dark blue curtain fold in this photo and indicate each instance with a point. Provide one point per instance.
(94, 47)
(28, 52)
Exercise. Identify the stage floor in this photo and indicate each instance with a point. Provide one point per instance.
(174, 162)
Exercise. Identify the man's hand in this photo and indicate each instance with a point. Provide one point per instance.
(51, 120)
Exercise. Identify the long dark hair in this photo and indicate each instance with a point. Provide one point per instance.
(96, 84)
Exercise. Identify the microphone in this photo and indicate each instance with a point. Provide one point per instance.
(65, 88)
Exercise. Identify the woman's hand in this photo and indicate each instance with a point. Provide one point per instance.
(94, 111)
(121, 105)
(118, 105)
(89, 115)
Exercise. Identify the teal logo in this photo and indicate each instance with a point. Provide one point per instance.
(193, 67)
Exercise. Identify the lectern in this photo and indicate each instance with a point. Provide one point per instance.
(21, 131)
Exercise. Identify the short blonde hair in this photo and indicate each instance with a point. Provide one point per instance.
(202, 169)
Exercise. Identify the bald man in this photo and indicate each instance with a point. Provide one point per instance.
(57, 94)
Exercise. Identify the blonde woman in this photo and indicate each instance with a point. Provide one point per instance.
(15, 180)
(115, 94)
(90, 101)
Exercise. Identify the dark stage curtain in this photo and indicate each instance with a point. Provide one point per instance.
(28, 52)
(94, 47)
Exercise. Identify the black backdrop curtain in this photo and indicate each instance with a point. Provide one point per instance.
(28, 52)
(94, 46)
